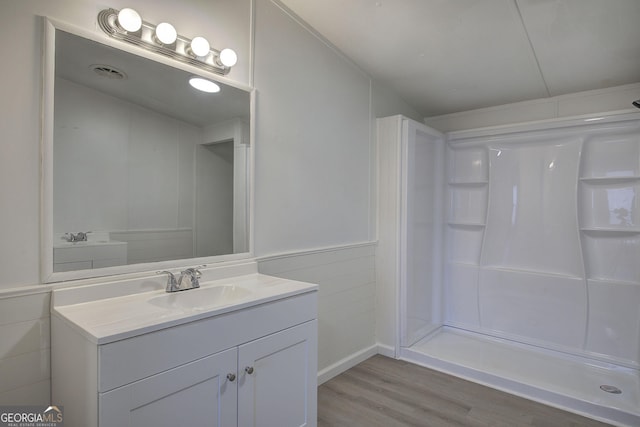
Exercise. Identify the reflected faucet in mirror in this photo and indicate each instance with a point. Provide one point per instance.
(80, 236)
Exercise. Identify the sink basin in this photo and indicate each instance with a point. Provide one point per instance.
(201, 298)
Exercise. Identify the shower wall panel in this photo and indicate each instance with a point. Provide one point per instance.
(531, 221)
(541, 307)
(609, 213)
(468, 180)
(421, 235)
(543, 235)
(532, 277)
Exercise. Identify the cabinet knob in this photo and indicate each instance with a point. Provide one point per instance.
(231, 377)
(249, 370)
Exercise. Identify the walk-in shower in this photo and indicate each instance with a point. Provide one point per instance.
(518, 265)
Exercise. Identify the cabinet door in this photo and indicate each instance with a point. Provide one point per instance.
(196, 394)
(278, 379)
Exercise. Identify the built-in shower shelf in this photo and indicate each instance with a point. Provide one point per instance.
(463, 224)
(468, 183)
(610, 230)
(607, 180)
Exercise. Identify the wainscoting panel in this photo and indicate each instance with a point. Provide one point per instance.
(25, 343)
(346, 300)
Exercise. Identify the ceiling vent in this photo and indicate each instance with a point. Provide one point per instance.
(109, 72)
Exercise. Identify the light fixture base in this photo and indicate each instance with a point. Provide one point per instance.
(145, 38)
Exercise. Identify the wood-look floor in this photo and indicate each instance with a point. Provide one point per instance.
(390, 393)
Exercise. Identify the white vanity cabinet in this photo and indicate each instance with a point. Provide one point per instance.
(265, 382)
(254, 366)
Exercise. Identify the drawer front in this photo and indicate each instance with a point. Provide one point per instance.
(197, 394)
(132, 359)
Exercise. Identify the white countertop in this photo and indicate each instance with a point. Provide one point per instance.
(88, 243)
(111, 319)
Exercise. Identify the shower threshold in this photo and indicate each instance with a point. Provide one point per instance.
(573, 383)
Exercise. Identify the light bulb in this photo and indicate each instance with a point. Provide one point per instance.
(200, 46)
(228, 57)
(165, 33)
(204, 85)
(129, 20)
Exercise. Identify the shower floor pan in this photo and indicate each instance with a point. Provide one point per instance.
(568, 382)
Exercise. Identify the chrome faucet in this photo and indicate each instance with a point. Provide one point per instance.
(81, 236)
(175, 285)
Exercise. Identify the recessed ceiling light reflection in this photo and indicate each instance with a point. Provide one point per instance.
(204, 85)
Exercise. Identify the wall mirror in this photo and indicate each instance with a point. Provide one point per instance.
(141, 171)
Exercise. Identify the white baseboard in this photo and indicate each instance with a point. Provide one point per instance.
(348, 362)
(386, 350)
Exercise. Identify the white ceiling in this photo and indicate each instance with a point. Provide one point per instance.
(167, 92)
(444, 56)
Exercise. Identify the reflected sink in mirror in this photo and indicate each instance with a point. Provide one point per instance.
(86, 243)
(201, 298)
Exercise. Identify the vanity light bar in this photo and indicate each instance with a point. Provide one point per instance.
(126, 25)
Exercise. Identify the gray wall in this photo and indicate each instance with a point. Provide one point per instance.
(313, 151)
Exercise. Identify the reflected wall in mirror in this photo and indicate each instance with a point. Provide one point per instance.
(145, 167)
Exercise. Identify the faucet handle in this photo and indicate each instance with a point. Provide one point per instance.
(172, 283)
(195, 272)
(82, 236)
(194, 276)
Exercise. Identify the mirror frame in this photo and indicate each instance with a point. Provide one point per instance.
(46, 158)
